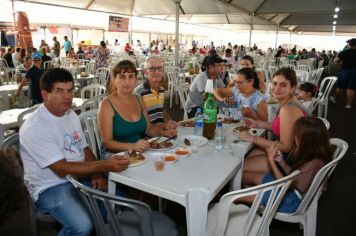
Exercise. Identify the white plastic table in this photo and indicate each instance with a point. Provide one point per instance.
(8, 118)
(192, 181)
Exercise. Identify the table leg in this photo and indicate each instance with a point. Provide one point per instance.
(111, 186)
(196, 212)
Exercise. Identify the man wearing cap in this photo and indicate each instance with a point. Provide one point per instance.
(347, 75)
(212, 69)
(33, 76)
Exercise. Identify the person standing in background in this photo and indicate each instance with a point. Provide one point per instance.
(56, 47)
(67, 45)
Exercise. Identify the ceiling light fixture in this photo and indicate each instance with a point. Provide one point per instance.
(334, 22)
(335, 16)
(337, 9)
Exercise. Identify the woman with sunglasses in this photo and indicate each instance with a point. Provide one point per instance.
(250, 102)
(122, 116)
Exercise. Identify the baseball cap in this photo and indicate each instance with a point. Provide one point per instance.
(352, 41)
(212, 59)
(36, 55)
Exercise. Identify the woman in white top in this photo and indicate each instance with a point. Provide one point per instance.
(250, 102)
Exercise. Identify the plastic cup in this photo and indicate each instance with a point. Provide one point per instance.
(159, 162)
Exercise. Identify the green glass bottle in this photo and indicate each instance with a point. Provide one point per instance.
(210, 117)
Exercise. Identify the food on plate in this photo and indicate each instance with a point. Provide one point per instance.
(160, 145)
(186, 142)
(182, 151)
(271, 100)
(83, 74)
(136, 157)
(170, 158)
(230, 120)
(241, 128)
(186, 123)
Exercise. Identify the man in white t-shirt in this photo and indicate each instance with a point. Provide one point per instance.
(52, 145)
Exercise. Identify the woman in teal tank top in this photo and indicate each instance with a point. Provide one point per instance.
(122, 119)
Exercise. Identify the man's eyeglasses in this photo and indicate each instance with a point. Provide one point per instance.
(154, 68)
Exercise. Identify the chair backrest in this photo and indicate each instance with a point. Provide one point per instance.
(91, 131)
(95, 200)
(318, 74)
(103, 75)
(278, 188)
(183, 94)
(326, 122)
(24, 115)
(92, 103)
(92, 90)
(272, 69)
(12, 141)
(3, 63)
(302, 75)
(321, 177)
(304, 67)
(47, 65)
(325, 87)
(90, 68)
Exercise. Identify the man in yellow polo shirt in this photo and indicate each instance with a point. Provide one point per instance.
(152, 93)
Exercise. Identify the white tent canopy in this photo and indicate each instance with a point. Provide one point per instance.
(291, 15)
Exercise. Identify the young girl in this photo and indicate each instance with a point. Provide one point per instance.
(306, 93)
(311, 151)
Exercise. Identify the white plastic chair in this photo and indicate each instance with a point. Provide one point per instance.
(124, 216)
(323, 96)
(307, 211)
(272, 70)
(103, 75)
(24, 115)
(90, 68)
(226, 218)
(326, 122)
(183, 94)
(92, 103)
(48, 65)
(304, 67)
(91, 131)
(302, 75)
(287, 66)
(92, 90)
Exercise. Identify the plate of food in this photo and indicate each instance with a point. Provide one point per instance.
(135, 158)
(238, 129)
(183, 152)
(186, 123)
(161, 143)
(192, 140)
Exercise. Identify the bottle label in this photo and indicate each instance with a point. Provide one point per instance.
(210, 116)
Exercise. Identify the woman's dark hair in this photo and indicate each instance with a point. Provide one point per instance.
(53, 76)
(14, 194)
(309, 88)
(103, 44)
(249, 58)
(313, 139)
(289, 74)
(122, 67)
(250, 74)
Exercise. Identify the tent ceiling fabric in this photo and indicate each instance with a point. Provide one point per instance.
(292, 15)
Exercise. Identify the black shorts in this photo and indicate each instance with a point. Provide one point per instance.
(347, 79)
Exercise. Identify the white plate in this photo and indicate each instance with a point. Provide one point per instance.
(185, 155)
(160, 140)
(134, 164)
(194, 140)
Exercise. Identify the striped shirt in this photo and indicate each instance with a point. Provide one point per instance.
(153, 102)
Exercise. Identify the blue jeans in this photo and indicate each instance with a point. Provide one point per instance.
(63, 203)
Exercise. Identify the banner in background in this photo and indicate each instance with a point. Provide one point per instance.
(118, 24)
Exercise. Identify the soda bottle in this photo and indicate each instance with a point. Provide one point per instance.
(210, 117)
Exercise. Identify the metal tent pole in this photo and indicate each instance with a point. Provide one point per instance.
(176, 45)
